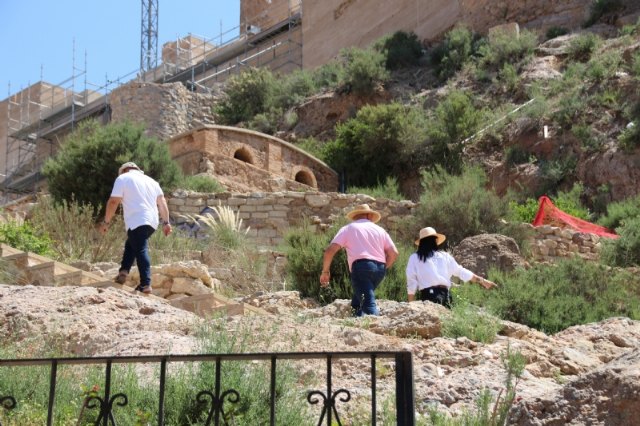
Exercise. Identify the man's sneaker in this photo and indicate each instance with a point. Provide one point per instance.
(146, 289)
(122, 277)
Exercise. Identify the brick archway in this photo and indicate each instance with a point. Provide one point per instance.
(243, 154)
(306, 177)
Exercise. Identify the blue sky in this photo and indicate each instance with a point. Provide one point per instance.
(35, 33)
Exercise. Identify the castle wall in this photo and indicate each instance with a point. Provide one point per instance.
(165, 109)
(329, 25)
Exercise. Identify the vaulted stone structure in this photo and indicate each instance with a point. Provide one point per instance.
(242, 158)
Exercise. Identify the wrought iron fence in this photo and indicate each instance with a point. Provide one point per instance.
(217, 398)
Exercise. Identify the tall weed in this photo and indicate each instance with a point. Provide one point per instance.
(72, 228)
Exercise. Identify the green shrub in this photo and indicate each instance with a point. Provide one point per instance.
(515, 155)
(624, 251)
(459, 206)
(390, 190)
(551, 298)
(620, 212)
(401, 49)
(329, 75)
(266, 122)
(635, 65)
(454, 120)
(201, 183)
(509, 78)
(304, 248)
(600, 8)
(312, 146)
(504, 47)
(364, 70)
(554, 32)
(523, 212)
(590, 140)
(454, 52)
(555, 172)
(293, 88)
(381, 141)
(583, 46)
(629, 138)
(87, 163)
(604, 66)
(247, 94)
(25, 237)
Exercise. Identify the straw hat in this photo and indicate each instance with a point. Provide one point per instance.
(430, 232)
(364, 209)
(128, 165)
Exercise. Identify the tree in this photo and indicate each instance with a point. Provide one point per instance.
(87, 164)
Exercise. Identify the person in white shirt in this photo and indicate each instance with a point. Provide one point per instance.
(430, 269)
(142, 202)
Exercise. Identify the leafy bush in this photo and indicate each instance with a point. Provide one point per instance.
(604, 66)
(555, 172)
(25, 237)
(551, 298)
(582, 47)
(503, 47)
(293, 88)
(515, 155)
(455, 119)
(554, 32)
(620, 212)
(389, 190)
(635, 65)
(266, 122)
(600, 8)
(509, 78)
(329, 75)
(629, 139)
(456, 50)
(201, 183)
(364, 70)
(624, 251)
(459, 206)
(246, 94)
(87, 163)
(381, 141)
(304, 248)
(569, 202)
(401, 49)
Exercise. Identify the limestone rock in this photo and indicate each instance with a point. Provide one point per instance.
(482, 252)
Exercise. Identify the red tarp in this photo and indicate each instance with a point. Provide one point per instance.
(548, 214)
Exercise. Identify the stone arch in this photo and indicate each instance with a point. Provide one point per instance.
(306, 177)
(243, 154)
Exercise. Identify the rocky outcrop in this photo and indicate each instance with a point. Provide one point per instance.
(482, 252)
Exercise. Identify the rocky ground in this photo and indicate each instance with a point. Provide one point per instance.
(586, 374)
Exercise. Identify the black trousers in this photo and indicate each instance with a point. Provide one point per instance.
(438, 295)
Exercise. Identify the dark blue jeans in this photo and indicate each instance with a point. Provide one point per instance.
(366, 275)
(137, 248)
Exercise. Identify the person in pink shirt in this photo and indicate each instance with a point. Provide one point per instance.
(370, 252)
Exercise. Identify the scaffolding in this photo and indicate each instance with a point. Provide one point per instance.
(39, 116)
(200, 63)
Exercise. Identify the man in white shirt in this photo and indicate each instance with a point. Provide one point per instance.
(142, 201)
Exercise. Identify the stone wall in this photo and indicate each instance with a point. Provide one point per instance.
(269, 216)
(244, 157)
(165, 109)
(551, 244)
(328, 25)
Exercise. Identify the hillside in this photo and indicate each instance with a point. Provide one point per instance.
(463, 136)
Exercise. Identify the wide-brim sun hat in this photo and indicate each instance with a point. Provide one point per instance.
(364, 209)
(128, 165)
(430, 232)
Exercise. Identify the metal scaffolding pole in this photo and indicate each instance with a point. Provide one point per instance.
(149, 36)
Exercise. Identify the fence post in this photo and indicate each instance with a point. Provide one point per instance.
(404, 390)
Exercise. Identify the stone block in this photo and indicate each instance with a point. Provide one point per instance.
(189, 286)
(317, 200)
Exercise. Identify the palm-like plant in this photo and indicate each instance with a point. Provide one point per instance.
(226, 226)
